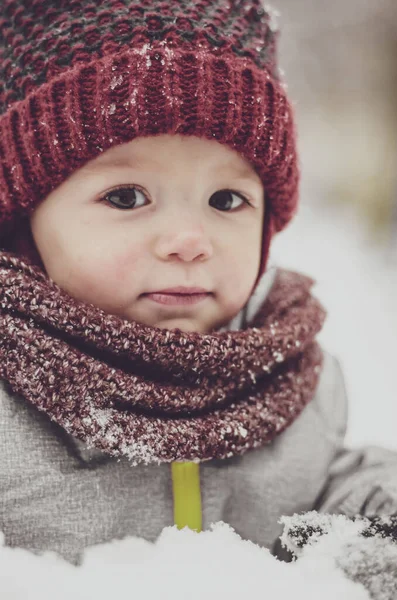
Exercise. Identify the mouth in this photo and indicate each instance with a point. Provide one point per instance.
(178, 296)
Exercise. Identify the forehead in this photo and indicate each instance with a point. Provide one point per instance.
(161, 153)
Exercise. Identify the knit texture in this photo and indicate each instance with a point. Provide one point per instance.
(77, 78)
(157, 395)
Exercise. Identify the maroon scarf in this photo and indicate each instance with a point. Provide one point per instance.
(157, 395)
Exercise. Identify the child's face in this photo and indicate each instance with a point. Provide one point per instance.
(172, 231)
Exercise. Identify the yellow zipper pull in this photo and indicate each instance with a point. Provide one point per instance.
(187, 495)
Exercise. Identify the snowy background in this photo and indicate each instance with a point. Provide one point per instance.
(357, 283)
(340, 62)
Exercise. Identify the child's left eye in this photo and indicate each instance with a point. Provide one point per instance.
(223, 200)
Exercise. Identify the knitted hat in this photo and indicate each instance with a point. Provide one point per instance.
(78, 77)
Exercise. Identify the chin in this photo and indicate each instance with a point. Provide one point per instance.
(185, 325)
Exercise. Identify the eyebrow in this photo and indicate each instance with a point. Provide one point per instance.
(241, 172)
(237, 172)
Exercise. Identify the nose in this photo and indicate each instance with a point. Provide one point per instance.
(186, 242)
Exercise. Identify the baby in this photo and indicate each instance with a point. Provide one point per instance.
(151, 215)
(154, 368)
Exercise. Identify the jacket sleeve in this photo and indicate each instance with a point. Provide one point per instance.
(361, 481)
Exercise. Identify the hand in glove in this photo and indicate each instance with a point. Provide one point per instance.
(366, 553)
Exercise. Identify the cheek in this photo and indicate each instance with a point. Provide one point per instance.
(109, 272)
(245, 255)
(97, 270)
(118, 266)
(239, 276)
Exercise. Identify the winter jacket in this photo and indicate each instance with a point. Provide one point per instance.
(56, 494)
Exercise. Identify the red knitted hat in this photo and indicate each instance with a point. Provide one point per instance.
(78, 77)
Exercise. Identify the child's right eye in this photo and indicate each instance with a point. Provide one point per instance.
(125, 197)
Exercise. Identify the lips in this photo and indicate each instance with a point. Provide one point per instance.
(178, 296)
(181, 290)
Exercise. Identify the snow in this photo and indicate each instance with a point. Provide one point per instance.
(183, 564)
(357, 283)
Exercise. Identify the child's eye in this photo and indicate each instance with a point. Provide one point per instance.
(223, 200)
(125, 197)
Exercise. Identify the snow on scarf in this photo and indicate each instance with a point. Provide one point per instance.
(157, 395)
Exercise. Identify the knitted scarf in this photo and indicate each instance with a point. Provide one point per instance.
(157, 395)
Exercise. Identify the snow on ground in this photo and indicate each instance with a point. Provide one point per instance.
(357, 284)
(212, 565)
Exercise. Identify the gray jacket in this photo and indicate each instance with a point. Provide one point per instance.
(56, 494)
